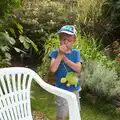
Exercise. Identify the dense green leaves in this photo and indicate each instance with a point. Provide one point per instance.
(6, 42)
(27, 42)
(6, 7)
(11, 32)
(5, 39)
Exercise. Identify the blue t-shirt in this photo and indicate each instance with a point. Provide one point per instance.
(74, 56)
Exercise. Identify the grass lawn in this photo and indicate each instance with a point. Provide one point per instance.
(45, 103)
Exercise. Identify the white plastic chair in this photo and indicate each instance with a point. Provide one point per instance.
(15, 85)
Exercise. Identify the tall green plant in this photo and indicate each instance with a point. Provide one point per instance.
(50, 44)
(89, 10)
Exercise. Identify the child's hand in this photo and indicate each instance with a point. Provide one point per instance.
(65, 59)
(62, 50)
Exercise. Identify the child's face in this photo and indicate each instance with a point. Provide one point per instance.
(67, 40)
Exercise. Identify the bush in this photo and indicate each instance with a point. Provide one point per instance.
(100, 79)
(98, 17)
(43, 17)
(6, 9)
(7, 6)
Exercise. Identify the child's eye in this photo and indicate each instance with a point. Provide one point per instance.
(69, 40)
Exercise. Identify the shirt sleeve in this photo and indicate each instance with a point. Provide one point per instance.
(77, 56)
(53, 54)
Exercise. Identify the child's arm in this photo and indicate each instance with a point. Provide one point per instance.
(55, 62)
(75, 66)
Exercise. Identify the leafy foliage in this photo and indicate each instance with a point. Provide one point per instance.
(47, 14)
(98, 17)
(9, 36)
(90, 12)
(41, 18)
(6, 7)
(9, 40)
(51, 44)
(100, 79)
(5, 41)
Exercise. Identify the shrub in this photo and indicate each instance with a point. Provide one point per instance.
(44, 17)
(100, 79)
(41, 18)
(6, 8)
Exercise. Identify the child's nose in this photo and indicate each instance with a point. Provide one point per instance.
(65, 41)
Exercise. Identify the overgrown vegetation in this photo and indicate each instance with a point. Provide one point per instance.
(98, 17)
(97, 22)
(5, 9)
(11, 33)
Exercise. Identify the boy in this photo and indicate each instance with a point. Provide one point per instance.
(63, 60)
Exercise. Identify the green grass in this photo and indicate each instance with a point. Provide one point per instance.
(99, 111)
(45, 103)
